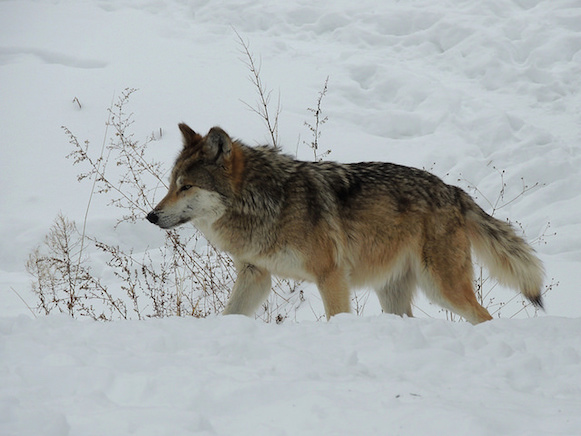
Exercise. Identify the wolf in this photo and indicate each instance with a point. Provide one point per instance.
(341, 226)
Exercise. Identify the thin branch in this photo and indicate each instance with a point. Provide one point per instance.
(262, 108)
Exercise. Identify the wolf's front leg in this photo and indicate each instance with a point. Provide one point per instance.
(334, 291)
(251, 288)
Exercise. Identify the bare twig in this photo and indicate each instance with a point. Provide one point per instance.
(24, 301)
(315, 128)
(262, 108)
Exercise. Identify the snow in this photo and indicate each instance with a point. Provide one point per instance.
(464, 88)
(233, 375)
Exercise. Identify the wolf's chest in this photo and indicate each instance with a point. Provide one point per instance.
(256, 245)
(285, 263)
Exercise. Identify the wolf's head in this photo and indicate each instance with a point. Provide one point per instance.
(204, 177)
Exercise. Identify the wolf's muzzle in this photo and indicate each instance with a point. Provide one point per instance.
(152, 217)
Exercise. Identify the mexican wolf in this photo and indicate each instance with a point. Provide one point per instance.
(341, 226)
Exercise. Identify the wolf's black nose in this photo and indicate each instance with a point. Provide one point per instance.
(152, 217)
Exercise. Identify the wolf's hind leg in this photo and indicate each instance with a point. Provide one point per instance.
(457, 296)
(251, 288)
(447, 278)
(396, 295)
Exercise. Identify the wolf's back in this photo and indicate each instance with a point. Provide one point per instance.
(509, 258)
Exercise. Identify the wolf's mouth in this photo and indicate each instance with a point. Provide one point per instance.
(154, 218)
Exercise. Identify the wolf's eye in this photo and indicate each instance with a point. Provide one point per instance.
(185, 188)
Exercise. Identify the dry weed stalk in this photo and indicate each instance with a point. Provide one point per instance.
(262, 107)
(315, 128)
(172, 280)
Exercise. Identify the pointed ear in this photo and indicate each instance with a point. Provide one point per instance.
(217, 145)
(191, 138)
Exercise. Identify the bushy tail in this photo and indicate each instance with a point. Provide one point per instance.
(508, 257)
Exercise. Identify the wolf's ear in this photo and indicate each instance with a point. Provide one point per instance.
(191, 138)
(218, 144)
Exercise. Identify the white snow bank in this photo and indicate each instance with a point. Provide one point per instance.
(234, 376)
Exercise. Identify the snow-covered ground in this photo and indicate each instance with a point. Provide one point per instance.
(464, 88)
(235, 376)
